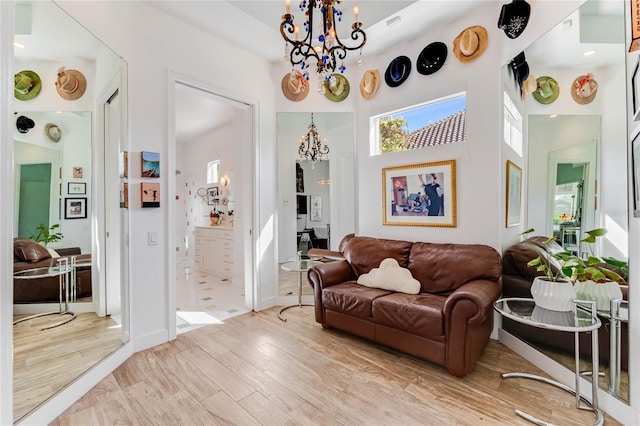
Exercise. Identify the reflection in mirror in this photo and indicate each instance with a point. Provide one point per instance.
(64, 323)
(316, 202)
(574, 163)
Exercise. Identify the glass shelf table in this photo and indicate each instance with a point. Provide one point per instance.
(583, 318)
(300, 266)
(61, 270)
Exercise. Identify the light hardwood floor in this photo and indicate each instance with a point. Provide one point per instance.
(45, 361)
(255, 369)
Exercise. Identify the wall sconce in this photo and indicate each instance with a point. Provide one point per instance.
(224, 180)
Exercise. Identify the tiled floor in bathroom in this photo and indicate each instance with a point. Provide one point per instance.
(202, 298)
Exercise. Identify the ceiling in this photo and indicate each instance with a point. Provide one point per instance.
(246, 21)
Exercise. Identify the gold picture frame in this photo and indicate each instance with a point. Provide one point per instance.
(513, 195)
(420, 194)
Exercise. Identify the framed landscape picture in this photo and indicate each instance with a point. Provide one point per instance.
(420, 194)
(75, 208)
(150, 164)
(514, 194)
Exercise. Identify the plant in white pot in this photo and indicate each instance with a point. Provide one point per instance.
(553, 290)
(596, 278)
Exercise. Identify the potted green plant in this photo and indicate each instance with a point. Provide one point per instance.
(553, 290)
(214, 216)
(45, 235)
(595, 277)
(230, 214)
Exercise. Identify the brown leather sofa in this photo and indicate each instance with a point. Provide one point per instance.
(448, 322)
(28, 254)
(517, 278)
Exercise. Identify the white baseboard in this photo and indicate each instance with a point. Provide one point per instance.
(150, 340)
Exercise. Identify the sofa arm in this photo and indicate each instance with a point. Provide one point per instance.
(480, 294)
(468, 319)
(323, 276)
(330, 273)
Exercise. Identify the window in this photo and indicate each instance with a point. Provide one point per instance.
(512, 125)
(213, 171)
(433, 123)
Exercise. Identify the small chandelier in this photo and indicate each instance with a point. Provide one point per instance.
(311, 147)
(326, 47)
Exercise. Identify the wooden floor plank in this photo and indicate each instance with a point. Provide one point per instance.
(265, 371)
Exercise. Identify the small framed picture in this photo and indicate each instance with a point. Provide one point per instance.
(150, 193)
(635, 169)
(635, 90)
(75, 208)
(150, 164)
(77, 172)
(213, 196)
(76, 188)
(514, 194)
(123, 164)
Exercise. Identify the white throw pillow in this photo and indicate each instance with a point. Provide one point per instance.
(390, 276)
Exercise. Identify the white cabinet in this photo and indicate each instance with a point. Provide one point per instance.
(214, 251)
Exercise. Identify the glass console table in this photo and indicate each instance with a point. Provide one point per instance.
(62, 271)
(582, 319)
(300, 266)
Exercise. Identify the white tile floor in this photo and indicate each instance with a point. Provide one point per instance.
(203, 299)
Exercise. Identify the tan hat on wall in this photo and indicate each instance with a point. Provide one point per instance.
(70, 84)
(294, 86)
(53, 132)
(370, 83)
(584, 89)
(471, 43)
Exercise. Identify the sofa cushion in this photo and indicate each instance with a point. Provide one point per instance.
(418, 314)
(390, 276)
(366, 253)
(29, 250)
(352, 298)
(442, 268)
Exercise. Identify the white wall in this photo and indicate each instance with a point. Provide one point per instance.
(153, 44)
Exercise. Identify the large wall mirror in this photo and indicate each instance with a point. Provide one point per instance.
(69, 126)
(575, 155)
(316, 199)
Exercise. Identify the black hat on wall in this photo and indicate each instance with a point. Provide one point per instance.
(514, 18)
(432, 58)
(24, 124)
(398, 71)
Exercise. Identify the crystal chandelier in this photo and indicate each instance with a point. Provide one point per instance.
(325, 47)
(311, 147)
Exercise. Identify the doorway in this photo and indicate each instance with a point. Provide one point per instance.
(208, 127)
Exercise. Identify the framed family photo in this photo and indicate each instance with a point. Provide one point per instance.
(75, 208)
(420, 194)
(514, 194)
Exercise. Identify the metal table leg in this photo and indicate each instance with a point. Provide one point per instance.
(300, 304)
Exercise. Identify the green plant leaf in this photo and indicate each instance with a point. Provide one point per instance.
(598, 232)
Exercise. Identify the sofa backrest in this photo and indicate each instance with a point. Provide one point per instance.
(366, 253)
(442, 268)
(516, 257)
